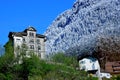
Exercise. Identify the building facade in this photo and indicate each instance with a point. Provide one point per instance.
(91, 65)
(33, 41)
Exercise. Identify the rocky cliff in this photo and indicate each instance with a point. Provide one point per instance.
(82, 24)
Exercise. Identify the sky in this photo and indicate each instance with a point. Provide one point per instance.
(17, 15)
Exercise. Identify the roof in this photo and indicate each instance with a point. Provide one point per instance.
(30, 29)
(93, 59)
(80, 57)
(40, 36)
(24, 33)
(19, 34)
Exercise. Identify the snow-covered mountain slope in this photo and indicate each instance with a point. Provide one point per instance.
(80, 25)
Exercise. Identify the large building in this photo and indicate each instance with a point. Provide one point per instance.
(29, 37)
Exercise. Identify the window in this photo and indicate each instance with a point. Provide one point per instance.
(23, 39)
(83, 67)
(39, 48)
(90, 61)
(17, 40)
(39, 54)
(18, 47)
(31, 34)
(82, 62)
(38, 41)
(31, 46)
(31, 41)
(93, 66)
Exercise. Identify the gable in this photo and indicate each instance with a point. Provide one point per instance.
(31, 29)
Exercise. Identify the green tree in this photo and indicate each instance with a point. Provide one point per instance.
(6, 62)
(64, 59)
(1, 50)
(22, 67)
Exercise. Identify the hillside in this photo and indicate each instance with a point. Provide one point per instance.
(58, 67)
(82, 24)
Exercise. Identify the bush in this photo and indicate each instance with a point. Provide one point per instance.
(64, 59)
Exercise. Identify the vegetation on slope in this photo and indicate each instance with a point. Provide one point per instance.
(59, 67)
